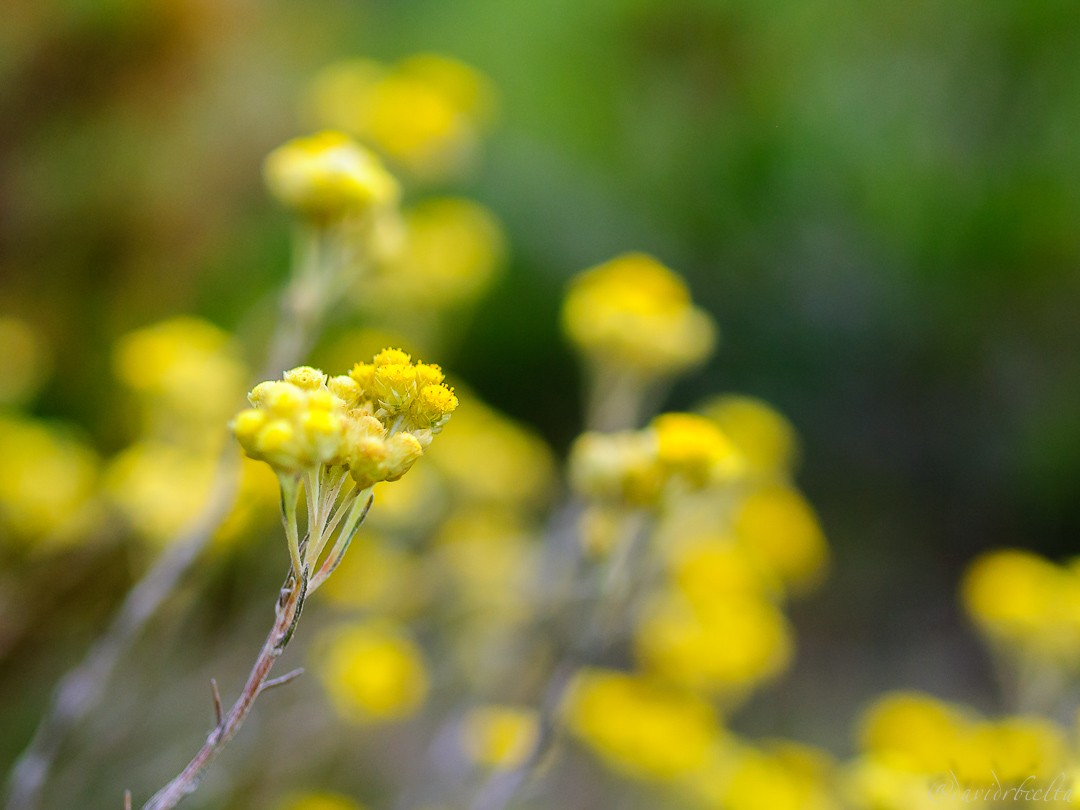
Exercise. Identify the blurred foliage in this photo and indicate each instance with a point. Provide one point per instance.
(879, 206)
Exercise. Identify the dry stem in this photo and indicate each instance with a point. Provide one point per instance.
(290, 604)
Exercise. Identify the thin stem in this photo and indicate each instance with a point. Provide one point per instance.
(289, 606)
(290, 496)
(357, 513)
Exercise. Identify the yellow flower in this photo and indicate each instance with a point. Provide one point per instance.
(329, 176)
(783, 776)
(158, 487)
(188, 376)
(450, 252)
(778, 527)
(489, 458)
(372, 671)
(639, 727)
(766, 441)
(47, 482)
(319, 801)
(635, 314)
(913, 732)
(500, 736)
(425, 113)
(695, 448)
(1025, 602)
(725, 645)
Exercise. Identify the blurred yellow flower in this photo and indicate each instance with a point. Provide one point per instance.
(489, 458)
(618, 469)
(635, 314)
(188, 376)
(426, 113)
(725, 645)
(641, 728)
(695, 448)
(500, 736)
(329, 176)
(47, 482)
(911, 731)
(1026, 603)
(766, 441)
(449, 253)
(776, 524)
(25, 361)
(158, 487)
(783, 776)
(372, 671)
(319, 801)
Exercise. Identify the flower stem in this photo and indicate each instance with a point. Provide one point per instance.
(290, 604)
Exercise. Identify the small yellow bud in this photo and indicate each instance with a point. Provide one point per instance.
(428, 374)
(247, 424)
(403, 450)
(364, 376)
(346, 389)
(305, 377)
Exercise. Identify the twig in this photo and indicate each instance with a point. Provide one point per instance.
(217, 701)
(127, 800)
(290, 604)
(288, 677)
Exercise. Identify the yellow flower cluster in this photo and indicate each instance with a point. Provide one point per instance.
(372, 671)
(635, 314)
(500, 737)
(1026, 605)
(776, 525)
(639, 727)
(911, 742)
(632, 468)
(447, 255)
(328, 176)
(47, 482)
(376, 421)
(425, 113)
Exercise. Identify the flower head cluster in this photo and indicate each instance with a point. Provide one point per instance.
(635, 314)
(426, 113)
(376, 420)
(329, 176)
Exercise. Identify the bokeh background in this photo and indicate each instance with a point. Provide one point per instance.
(878, 204)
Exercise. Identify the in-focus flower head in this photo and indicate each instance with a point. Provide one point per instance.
(329, 176)
(635, 314)
(376, 421)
